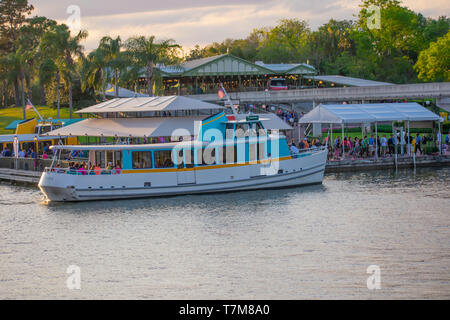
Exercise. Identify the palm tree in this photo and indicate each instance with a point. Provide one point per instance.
(147, 53)
(93, 74)
(46, 72)
(63, 48)
(14, 64)
(113, 57)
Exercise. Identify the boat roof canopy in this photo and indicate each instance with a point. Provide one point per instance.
(131, 127)
(152, 127)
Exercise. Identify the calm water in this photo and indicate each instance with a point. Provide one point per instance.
(302, 243)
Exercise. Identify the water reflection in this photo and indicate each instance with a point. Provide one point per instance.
(306, 242)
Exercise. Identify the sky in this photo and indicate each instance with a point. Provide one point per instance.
(191, 22)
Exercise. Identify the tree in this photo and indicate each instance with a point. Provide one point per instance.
(434, 63)
(93, 73)
(63, 48)
(285, 43)
(15, 63)
(12, 16)
(147, 53)
(114, 58)
(327, 43)
(30, 36)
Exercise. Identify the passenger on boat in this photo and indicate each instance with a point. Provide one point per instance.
(294, 149)
(118, 167)
(82, 170)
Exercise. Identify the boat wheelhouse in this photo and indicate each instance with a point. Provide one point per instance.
(220, 152)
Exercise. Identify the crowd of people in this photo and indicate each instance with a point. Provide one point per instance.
(370, 146)
(84, 168)
(290, 117)
(28, 153)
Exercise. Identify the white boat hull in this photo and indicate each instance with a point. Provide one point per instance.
(306, 170)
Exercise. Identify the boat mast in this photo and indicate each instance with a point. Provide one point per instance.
(228, 101)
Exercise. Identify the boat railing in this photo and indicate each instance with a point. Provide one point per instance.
(83, 172)
(303, 152)
(25, 164)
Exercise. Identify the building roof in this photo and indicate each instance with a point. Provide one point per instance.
(368, 113)
(349, 81)
(288, 68)
(149, 104)
(227, 64)
(220, 65)
(65, 122)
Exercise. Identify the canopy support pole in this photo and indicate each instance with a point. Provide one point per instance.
(439, 139)
(409, 142)
(342, 142)
(376, 140)
(331, 129)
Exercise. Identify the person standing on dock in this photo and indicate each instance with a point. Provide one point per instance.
(447, 142)
(417, 144)
(371, 146)
(384, 144)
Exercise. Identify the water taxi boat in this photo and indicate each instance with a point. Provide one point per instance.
(227, 153)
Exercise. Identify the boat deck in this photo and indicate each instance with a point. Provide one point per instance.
(32, 177)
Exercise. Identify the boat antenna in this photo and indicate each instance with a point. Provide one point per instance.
(228, 101)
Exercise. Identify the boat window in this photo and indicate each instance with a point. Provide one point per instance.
(260, 130)
(209, 156)
(228, 154)
(163, 159)
(142, 159)
(189, 155)
(261, 151)
(242, 130)
(251, 152)
(206, 156)
(118, 159)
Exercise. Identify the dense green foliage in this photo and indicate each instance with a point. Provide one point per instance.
(45, 62)
(351, 48)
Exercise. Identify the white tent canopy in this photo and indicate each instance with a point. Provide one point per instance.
(368, 113)
(150, 104)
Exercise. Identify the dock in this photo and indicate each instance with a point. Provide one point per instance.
(387, 163)
(21, 175)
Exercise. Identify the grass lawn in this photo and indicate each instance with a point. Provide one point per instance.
(8, 115)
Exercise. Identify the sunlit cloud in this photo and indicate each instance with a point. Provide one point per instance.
(202, 22)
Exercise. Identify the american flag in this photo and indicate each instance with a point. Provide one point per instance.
(221, 94)
(29, 105)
